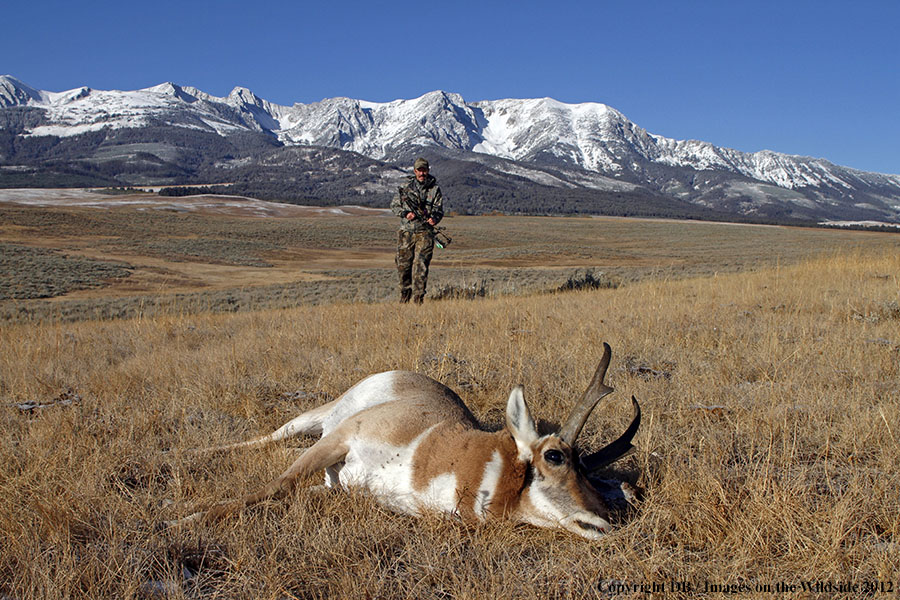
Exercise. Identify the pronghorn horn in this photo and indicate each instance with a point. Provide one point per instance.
(614, 450)
(592, 395)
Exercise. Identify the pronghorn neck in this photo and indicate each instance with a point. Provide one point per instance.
(483, 471)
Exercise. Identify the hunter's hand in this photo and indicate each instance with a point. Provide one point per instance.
(431, 222)
(410, 216)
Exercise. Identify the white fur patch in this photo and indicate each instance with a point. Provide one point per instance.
(371, 391)
(386, 471)
(440, 494)
(546, 514)
(488, 487)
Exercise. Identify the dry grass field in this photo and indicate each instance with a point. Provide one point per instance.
(132, 256)
(767, 362)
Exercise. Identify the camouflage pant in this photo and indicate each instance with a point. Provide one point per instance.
(414, 251)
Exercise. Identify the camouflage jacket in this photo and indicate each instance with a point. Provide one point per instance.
(425, 196)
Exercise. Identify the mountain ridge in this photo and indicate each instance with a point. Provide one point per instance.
(588, 146)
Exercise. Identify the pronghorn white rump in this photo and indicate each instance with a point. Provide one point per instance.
(412, 443)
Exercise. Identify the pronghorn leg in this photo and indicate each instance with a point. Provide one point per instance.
(324, 453)
(309, 423)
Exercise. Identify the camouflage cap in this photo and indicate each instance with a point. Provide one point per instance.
(420, 164)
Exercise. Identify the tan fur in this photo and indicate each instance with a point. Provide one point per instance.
(471, 451)
(381, 422)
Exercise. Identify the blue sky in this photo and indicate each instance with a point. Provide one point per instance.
(817, 78)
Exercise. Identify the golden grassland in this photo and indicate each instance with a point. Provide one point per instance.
(71, 263)
(768, 450)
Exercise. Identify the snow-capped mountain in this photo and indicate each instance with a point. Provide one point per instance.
(590, 146)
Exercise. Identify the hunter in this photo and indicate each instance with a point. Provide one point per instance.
(420, 205)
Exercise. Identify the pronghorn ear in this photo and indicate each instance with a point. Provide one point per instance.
(520, 423)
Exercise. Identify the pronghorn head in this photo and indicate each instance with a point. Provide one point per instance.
(557, 492)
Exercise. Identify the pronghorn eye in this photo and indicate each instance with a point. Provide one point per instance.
(554, 457)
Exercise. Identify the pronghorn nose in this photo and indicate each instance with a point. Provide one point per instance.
(588, 525)
(592, 527)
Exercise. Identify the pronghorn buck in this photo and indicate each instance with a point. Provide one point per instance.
(412, 443)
